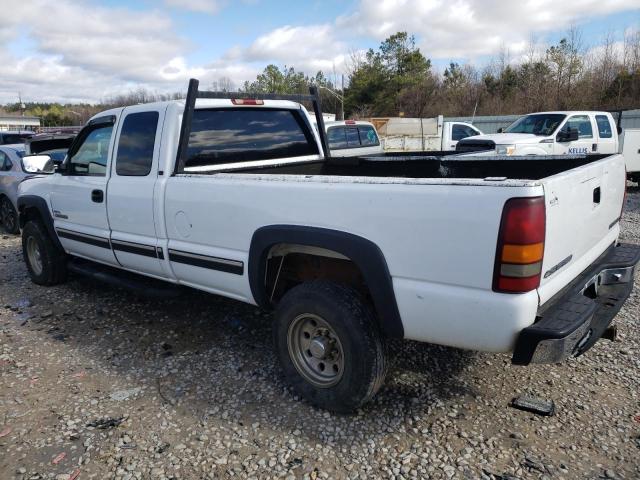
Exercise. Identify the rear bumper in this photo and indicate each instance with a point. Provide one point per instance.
(573, 321)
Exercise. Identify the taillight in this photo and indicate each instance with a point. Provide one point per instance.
(247, 101)
(520, 249)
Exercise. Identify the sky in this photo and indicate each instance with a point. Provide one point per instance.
(88, 50)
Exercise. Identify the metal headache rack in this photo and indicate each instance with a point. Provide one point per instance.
(190, 104)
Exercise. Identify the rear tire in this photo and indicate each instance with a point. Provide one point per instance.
(329, 345)
(46, 263)
(8, 216)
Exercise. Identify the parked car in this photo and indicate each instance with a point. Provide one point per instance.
(241, 197)
(351, 138)
(14, 137)
(14, 167)
(53, 144)
(11, 174)
(402, 134)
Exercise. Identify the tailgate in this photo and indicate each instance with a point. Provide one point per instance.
(583, 207)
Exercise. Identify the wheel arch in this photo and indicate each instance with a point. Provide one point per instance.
(365, 255)
(32, 206)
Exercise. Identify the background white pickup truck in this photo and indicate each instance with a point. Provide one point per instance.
(349, 138)
(421, 134)
(235, 196)
(559, 133)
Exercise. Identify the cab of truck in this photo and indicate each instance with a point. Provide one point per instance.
(352, 138)
(551, 133)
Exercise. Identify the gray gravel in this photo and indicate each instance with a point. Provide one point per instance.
(98, 383)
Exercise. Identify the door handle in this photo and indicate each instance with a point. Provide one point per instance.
(596, 195)
(97, 196)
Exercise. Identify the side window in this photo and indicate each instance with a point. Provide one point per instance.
(136, 143)
(604, 126)
(337, 138)
(368, 137)
(458, 132)
(91, 157)
(471, 132)
(353, 139)
(582, 123)
(5, 163)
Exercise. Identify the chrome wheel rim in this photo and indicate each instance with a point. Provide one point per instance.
(34, 256)
(315, 350)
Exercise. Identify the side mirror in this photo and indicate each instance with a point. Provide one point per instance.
(38, 164)
(570, 135)
(500, 130)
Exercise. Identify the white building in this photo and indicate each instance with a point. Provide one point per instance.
(18, 122)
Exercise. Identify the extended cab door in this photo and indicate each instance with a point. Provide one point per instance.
(78, 195)
(607, 139)
(586, 142)
(134, 173)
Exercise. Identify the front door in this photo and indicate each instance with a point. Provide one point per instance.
(586, 142)
(78, 196)
(134, 174)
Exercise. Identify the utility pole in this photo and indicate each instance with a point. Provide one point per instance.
(342, 99)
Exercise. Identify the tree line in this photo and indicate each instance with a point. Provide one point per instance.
(397, 79)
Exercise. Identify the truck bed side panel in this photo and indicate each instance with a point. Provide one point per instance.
(435, 238)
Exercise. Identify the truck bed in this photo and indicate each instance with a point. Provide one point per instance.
(433, 165)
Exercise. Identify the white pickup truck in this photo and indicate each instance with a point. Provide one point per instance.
(240, 197)
(560, 133)
(551, 133)
(402, 134)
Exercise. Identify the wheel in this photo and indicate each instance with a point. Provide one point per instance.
(46, 263)
(8, 216)
(329, 345)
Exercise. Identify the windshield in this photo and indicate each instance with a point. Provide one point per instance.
(537, 124)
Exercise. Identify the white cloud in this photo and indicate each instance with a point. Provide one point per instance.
(309, 48)
(471, 28)
(85, 50)
(202, 6)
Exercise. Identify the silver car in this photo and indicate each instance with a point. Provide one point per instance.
(11, 174)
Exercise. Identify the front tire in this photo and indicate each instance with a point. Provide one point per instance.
(8, 216)
(46, 263)
(329, 345)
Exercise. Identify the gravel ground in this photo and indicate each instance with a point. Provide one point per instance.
(98, 383)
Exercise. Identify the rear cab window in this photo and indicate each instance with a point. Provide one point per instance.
(225, 136)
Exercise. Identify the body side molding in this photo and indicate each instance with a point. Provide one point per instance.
(366, 255)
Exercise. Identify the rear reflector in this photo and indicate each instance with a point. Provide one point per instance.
(247, 101)
(520, 247)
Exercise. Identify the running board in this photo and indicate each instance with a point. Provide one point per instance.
(139, 284)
